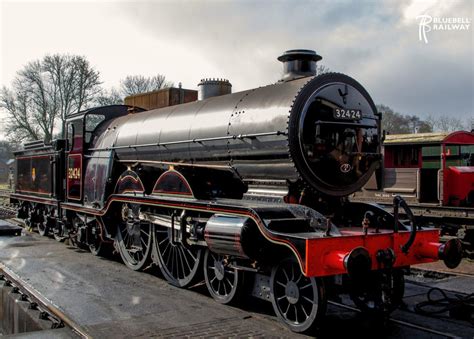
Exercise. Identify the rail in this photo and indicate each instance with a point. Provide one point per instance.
(44, 303)
(400, 322)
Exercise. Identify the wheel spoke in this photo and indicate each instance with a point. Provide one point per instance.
(182, 263)
(225, 289)
(286, 275)
(231, 285)
(304, 311)
(185, 258)
(162, 241)
(229, 271)
(173, 257)
(168, 245)
(168, 258)
(191, 254)
(287, 309)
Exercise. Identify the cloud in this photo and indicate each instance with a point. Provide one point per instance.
(376, 42)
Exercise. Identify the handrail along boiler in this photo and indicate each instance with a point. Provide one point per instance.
(248, 189)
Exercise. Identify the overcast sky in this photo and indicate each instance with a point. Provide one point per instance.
(375, 42)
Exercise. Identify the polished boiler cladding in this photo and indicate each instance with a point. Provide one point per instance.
(322, 130)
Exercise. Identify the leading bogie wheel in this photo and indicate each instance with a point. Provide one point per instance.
(381, 293)
(224, 283)
(298, 301)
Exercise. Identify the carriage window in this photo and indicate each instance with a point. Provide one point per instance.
(406, 157)
(92, 121)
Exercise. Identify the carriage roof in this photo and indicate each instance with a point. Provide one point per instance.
(458, 137)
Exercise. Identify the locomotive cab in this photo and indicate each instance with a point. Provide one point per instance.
(84, 183)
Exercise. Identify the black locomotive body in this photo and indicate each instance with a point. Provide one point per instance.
(248, 188)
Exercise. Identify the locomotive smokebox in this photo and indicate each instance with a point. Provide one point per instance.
(299, 63)
(208, 88)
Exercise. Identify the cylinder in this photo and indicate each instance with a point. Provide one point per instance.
(230, 236)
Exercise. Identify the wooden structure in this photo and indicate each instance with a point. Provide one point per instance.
(162, 98)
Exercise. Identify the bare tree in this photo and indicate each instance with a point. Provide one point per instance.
(45, 92)
(135, 84)
(470, 124)
(445, 123)
(397, 123)
(131, 85)
(112, 97)
(74, 81)
(20, 124)
(321, 69)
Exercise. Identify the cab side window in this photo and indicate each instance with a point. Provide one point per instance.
(92, 121)
(70, 136)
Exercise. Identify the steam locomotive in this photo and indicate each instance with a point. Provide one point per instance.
(247, 189)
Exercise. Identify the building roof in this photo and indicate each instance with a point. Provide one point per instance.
(460, 137)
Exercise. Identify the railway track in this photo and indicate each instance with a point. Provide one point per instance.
(7, 212)
(37, 303)
(430, 332)
(402, 322)
(419, 327)
(5, 193)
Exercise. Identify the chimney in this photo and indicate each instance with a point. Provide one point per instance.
(298, 63)
(208, 88)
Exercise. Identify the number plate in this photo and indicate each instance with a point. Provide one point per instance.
(347, 114)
